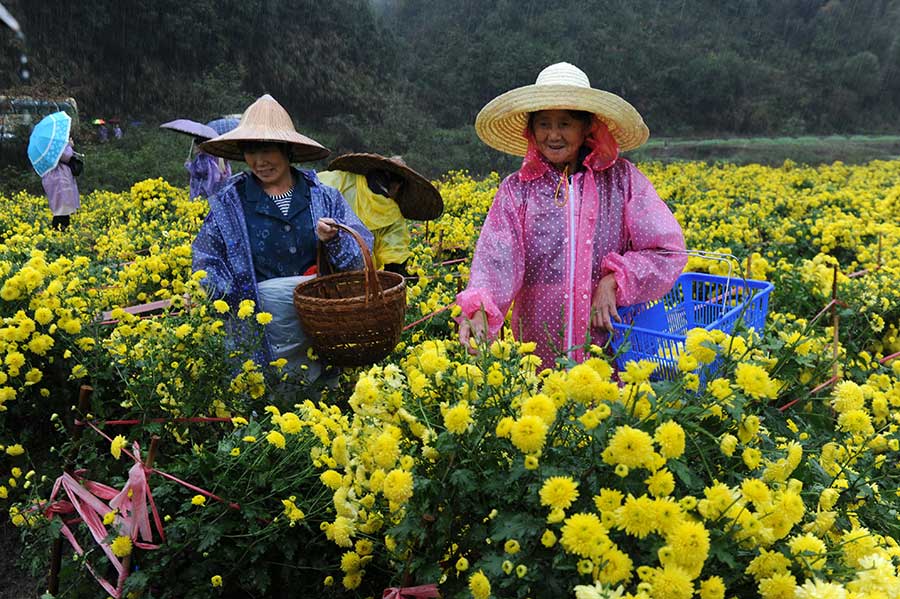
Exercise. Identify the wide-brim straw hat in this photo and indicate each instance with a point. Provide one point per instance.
(561, 86)
(418, 198)
(265, 120)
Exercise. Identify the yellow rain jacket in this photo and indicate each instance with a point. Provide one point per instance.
(379, 214)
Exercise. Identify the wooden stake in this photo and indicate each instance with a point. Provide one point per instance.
(84, 404)
(835, 322)
(879, 250)
(55, 565)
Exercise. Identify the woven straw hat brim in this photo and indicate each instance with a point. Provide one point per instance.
(418, 198)
(303, 149)
(502, 121)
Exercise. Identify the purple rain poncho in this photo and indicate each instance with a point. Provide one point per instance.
(60, 186)
(546, 257)
(206, 178)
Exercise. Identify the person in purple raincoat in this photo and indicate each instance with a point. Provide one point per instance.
(263, 227)
(62, 190)
(208, 173)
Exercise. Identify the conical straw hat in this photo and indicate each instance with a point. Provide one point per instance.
(561, 86)
(265, 120)
(418, 198)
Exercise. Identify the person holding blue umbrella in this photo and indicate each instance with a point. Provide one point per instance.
(52, 154)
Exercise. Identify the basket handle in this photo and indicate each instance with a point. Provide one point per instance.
(373, 285)
(728, 259)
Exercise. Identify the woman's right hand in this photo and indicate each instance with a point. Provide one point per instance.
(326, 229)
(603, 304)
(473, 328)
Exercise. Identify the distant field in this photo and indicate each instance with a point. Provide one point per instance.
(853, 149)
(149, 152)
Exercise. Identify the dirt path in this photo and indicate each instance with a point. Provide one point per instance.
(15, 583)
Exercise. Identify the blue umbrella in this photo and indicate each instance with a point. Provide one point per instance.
(48, 142)
(224, 125)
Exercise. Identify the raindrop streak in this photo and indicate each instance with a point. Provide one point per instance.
(23, 70)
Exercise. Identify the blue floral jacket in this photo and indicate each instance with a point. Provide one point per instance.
(222, 247)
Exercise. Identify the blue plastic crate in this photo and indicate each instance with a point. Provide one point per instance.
(656, 331)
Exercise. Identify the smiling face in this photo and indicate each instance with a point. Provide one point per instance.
(559, 136)
(270, 164)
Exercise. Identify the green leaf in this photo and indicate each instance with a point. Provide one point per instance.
(515, 526)
(722, 552)
(209, 537)
(464, 480)
(683, 473)
(136, 581)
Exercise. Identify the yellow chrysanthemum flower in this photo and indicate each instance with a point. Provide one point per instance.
(559, 492)
(458, 418)
(275, 438)
(583, 535)
(629, 446)
(118, 443)
(670, 437)
(528, 434)
(479, 585)
(121, 546)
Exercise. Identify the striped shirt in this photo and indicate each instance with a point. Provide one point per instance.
(283, 201)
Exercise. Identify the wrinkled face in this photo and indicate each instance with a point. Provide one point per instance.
(267, 161)
(559, 135)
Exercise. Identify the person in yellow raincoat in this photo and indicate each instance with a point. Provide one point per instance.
(384, 193)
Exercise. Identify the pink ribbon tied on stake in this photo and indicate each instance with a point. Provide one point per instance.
(132, 502)
(87, 500)
(425, 591)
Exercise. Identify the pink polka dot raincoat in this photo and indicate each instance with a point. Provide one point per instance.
(546, 244)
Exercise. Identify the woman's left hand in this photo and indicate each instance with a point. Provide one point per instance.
(326, 229)
(603, 304)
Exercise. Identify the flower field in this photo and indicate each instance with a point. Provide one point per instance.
(485, 472)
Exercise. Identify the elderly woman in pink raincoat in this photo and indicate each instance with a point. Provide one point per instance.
(577, 230)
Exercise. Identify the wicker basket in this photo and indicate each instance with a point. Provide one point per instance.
(352, 318)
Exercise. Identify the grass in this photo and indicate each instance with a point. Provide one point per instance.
(851, 149)
(149, 153)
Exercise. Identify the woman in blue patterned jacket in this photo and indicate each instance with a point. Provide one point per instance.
(263, 227)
